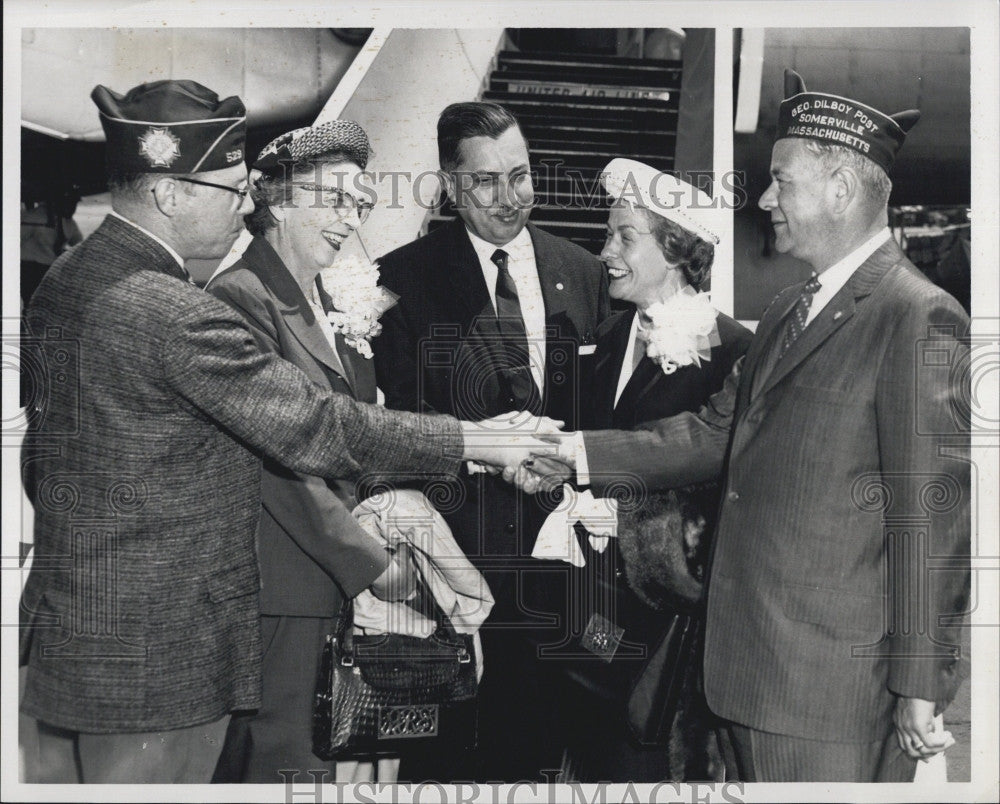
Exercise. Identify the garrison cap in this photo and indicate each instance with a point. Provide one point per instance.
(842, 121)
(171, 127)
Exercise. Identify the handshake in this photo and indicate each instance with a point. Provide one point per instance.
(529, 451)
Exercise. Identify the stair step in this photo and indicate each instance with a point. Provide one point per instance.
(574, 154)
(578, 112)
(590, 60)
(557, 168)
(572, 78)
(568, 118)
(536, 130)
(534, 117)
(634, 147)
(596, 217)
(538, 109)
(570, 180)
(549, 138)
(622, 147)
(581, 227)
(563, 102)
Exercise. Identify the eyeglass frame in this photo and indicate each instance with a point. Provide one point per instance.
(241, 194)
(363, 208)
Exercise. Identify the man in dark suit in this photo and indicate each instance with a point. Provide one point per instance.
(152, 409)
(843, 535)
(493, 315)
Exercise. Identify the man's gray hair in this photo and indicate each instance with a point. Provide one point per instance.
(875, 183)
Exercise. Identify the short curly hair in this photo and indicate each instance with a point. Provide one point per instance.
(274, 188)
(690, 253)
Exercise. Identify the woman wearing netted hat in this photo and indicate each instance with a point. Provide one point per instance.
(666, 353)
(320, 313)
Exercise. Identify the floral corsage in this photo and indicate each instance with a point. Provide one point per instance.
(683, 330)
(359, 301)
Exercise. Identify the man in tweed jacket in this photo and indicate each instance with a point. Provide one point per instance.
(842, 544)
(153, 407)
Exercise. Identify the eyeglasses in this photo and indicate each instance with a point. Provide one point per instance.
(241, 194)
(341, 201)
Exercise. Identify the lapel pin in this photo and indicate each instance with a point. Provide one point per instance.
(559, 285)
(837, 314)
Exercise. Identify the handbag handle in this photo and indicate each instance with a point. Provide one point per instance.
(444, 632)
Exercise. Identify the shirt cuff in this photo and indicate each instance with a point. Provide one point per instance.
(579, 453)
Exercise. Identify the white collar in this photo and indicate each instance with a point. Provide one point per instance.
(236, 252)
(484, 250)
(152, 236)
(838, 273)
(833, 279)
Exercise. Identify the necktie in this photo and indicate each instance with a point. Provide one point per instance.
(797, 320)
(515, 340)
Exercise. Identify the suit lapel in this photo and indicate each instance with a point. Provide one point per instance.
(560, 286)
(837, 312)
(646, 375)
(463, 277)
(612, 337)
(361, 371)
(760, 346)
(344, 351)
(463, 284)
(553, 278)
(295, 311)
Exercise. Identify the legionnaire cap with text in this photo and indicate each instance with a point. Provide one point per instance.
(171, 127)
(842, 121)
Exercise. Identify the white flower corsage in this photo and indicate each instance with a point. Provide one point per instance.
(683, 330)
(352, 283)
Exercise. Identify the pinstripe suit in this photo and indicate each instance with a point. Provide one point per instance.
(854, 440)
(141, 609)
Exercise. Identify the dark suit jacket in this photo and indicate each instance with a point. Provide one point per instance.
(312, 551)
(142, 461)
(427, 358)
(856, 440)
(650, 394)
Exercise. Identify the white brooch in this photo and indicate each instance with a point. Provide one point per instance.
(683, 330)
(160, 147)
(353, 286)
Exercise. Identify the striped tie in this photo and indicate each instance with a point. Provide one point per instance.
(797, 320)
(517, 370)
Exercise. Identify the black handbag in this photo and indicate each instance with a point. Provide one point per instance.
(643, 621)
(376, 694)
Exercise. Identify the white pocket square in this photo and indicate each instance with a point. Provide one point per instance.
(587, 349)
